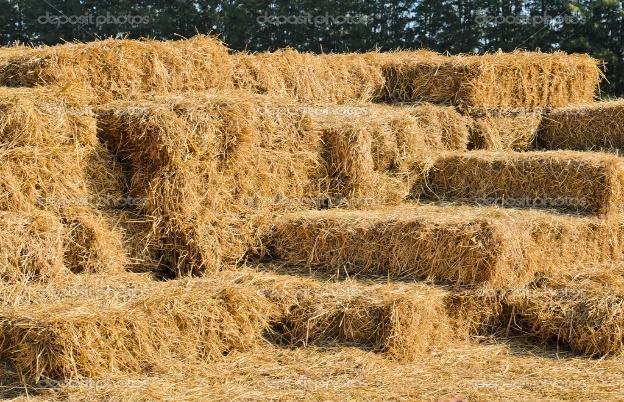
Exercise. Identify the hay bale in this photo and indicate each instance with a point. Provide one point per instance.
(497, 80)
(50, 152)
(259, 157)
(564, 181)
(589, 322)
(328, 78)
(53, 179)
(177, 321)
(400, 321)
(450, 244)
(352, 169)
(105, 289)
(119, 69)
(580, 307)
(502, 130)
(44, 117)
(41, 177)
(594, 126)
(31, 246)
(477, 312)
(306, 77)
(177, 150)
(91, 244)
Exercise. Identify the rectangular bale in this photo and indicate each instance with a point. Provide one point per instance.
(92, 244)
(458, 245)
(590, 127)
(341, 78)
(31, 247)
(44, 117)
(504, 130)
(400, 321)
(589, 321)
(306, 77)
(180, 321)
(495, 80)
(583, 183)
(122, 68)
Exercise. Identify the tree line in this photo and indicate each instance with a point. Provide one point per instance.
(455, 26)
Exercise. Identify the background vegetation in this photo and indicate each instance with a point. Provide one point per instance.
(595, 27)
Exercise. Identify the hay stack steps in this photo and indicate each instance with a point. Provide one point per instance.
(313, 165)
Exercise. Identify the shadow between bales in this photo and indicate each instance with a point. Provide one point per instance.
(11, 387)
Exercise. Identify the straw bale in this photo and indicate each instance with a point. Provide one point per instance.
(212, 168)
(52, 160)
(588, 321)
(44, 117)
(503, 130)
(496, 80)
(596, 126)
(93, 327)
(178, 322)
(352, 168)
(41, 177)
(458, 245)
(119, 69)
(585, 183)
(53, 179)
(50, 152)
(401, 321)
(306, 77)
(91, 244)
(31, 246)
(577, 307)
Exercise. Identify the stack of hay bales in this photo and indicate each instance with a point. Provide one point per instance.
(212, 168)
(279, 134)
(503, 93)
(129, 325)
(52, 167)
